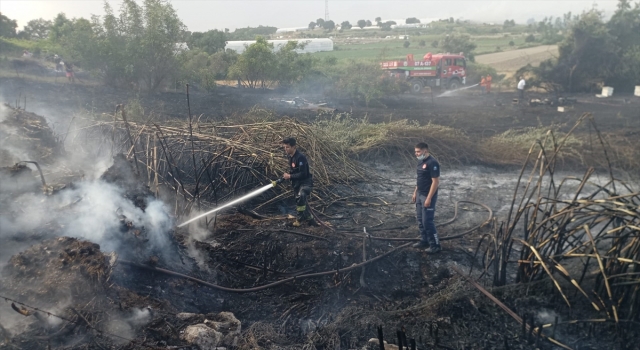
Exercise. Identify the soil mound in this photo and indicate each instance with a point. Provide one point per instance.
(56, 267)
(29, 133)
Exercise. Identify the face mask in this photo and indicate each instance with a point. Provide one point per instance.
(421, 157)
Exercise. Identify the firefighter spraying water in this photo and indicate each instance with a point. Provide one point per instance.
(301, 180)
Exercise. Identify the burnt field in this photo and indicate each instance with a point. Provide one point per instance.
(538, 212)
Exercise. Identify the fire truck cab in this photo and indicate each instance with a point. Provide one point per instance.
(446, 70)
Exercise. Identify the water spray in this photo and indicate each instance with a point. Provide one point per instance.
(236, 201)
(456, 90)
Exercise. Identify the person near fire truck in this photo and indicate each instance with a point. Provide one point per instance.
(425, 197)
(483, 85)
(521, 85)
(488, 83)
(301, 180)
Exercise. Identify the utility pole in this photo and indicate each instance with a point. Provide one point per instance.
(326, 10)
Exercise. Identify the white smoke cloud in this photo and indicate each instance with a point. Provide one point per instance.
(91, 210)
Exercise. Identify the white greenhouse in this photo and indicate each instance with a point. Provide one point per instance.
(311, 45)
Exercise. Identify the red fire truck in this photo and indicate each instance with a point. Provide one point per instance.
(441, 70)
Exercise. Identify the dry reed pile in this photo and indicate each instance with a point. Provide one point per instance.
(582, 234)
(213, 162)
(394, 140)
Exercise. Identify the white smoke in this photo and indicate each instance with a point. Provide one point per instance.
(92, 211)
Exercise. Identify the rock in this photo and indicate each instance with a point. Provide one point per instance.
(227, 324)
(374, 343)
(202, 336)
(186, 315)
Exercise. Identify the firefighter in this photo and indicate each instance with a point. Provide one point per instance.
(301, 180)
(483, 84)
(488, 83)
(425, 197)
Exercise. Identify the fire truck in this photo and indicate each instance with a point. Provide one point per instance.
(442, 70)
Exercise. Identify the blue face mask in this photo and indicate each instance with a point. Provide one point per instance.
(421, 157)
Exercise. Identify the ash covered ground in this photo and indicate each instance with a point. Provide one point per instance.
(92, 243)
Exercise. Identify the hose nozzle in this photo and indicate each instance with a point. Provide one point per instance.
(276, 182)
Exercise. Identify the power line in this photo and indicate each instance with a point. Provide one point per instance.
(85, 323)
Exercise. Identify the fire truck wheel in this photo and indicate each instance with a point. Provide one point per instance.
(416, 86)
(454, 84)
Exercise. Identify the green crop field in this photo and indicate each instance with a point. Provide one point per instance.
(389, 49)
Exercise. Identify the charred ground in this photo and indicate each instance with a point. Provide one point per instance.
(405, 289)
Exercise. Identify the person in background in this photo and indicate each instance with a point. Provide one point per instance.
(69, 70)
(483, 84)
(521, 85)
(488, 83)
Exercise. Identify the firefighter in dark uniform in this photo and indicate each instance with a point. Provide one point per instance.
(425, 197)
(301, 180)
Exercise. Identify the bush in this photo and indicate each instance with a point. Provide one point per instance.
(529, 38)
(511, 43)
(475, 72)
(365, 82)
(422, 43)
(406, 44)
(435, 43)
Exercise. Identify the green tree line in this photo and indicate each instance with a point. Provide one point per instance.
(593, 52)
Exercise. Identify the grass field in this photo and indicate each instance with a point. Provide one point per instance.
(389, 49)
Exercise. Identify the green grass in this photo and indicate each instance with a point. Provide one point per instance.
(15, 47)
(390, 49)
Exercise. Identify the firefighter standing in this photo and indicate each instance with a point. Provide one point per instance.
(483, 84)
(425, 197)
(301, 180)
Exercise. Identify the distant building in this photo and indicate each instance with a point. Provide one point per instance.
(311, 45)
(291, 30)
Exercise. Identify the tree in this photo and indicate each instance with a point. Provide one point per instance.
(259, 66)
(422, 43)
(7, 26)
(406, 44)
(529, 38)
(312, 25)
(255, 66)
(363, 81)
(329, 25)
(37, 29)
(250, 33)
(369, 24)
(60, 27)
(378, 21)
(508, 23)
(320, 22)
(136, 46)
(459, 43)
(362, 23)
(211, 41)
(511, 43)
(345, 25)
(412, 20)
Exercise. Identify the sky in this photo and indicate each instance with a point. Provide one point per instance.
(202, 15)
